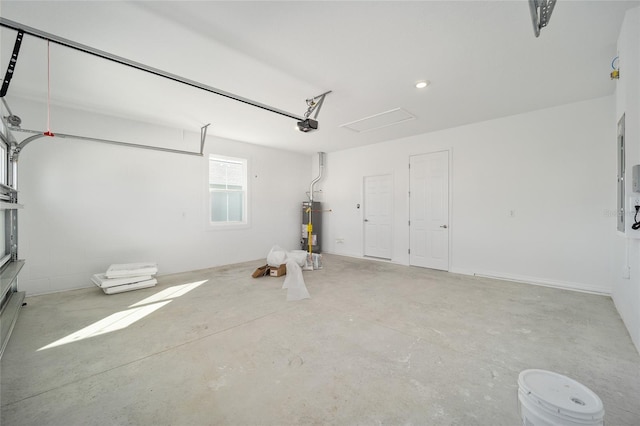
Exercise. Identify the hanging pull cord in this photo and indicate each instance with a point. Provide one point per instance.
(48, 132)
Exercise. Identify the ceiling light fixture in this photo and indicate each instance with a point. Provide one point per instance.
(422, 84)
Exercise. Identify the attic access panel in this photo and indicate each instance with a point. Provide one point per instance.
(378, 121)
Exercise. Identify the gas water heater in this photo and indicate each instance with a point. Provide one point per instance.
(316, 226)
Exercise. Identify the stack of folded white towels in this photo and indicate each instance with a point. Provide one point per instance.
(126, 277)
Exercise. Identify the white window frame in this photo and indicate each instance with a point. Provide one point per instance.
(244, 223)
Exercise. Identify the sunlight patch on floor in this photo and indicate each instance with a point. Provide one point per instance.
(169, 293)
(113, 322)
(124, 319)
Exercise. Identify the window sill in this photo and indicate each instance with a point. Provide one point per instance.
(227, 226)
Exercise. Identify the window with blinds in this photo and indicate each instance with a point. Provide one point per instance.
(227, 190)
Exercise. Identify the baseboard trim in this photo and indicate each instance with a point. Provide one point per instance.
(353, 255)
(564, 285)
(361, 257)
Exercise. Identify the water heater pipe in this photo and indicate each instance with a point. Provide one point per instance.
(313, 182)
(320, 169)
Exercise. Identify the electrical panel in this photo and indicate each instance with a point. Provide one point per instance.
(635, 178)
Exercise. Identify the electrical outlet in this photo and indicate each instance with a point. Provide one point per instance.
(634, 201)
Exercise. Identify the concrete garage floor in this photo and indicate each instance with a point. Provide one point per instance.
(377, 344)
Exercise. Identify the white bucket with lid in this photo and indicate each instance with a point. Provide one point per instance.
(551, 399)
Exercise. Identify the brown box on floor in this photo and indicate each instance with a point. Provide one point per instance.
(278, 271)
(261, 271)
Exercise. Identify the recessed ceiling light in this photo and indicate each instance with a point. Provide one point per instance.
(422, 84)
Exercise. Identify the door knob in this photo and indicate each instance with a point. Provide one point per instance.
(366, 220)
(443, 226)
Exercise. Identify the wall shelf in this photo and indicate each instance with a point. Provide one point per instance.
(10, 206)
(12, 300)
(9, 316)
(8, 275)
(7, 188)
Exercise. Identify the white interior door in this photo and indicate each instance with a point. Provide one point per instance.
(429, 210)
(378, 215)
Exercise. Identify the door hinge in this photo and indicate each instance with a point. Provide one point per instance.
(409, 251)
(409, 165)
(409, 223)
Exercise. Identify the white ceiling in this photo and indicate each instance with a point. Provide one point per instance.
(481, 57)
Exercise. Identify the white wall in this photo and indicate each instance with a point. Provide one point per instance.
(554, 167)
(88, 204)
(626, 272)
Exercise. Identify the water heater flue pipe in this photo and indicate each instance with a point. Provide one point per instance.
(316, 180)
(310, 208)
